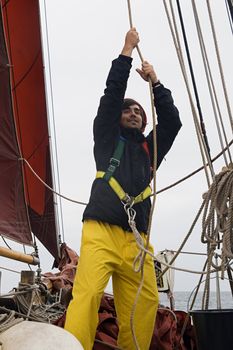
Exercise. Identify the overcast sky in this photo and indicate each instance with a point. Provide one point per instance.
(84, 37)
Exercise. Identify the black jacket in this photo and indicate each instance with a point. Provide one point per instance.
(134, 171)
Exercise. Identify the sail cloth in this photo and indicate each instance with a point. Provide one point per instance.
(25, 203)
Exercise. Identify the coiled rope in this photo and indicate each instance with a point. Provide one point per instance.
(217, 217)
(217, 223)
(8, 320)
(32, 307)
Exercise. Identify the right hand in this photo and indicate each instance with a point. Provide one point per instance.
(131, 41)
(147, 72)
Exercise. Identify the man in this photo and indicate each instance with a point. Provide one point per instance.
(108, 246)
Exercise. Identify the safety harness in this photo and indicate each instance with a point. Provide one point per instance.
(114, 184)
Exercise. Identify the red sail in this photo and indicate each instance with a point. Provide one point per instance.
(24, 129)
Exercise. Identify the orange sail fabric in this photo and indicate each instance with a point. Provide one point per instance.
(28, 115)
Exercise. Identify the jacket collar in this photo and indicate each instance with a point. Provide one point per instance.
(132, 134)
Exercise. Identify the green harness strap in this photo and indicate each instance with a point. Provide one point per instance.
(113, 183)
(115, 160)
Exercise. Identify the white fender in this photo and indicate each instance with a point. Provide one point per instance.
(29, 335)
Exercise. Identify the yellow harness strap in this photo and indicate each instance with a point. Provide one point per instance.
(120, 192)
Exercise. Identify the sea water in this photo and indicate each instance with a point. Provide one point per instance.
(183, 300)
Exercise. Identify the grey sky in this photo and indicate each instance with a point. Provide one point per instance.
(84, 37)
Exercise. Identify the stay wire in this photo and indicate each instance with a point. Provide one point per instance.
(202, 124)
(176, 40)
(210, 81)
(229, 8)
(220, 64)
(54, 127)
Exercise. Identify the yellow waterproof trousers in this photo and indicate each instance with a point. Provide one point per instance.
(108, 250)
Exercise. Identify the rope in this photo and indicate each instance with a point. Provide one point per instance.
(209, 225)
(157, 192)
(212, 90)
(4, 309)
(47, 186)
(218, 215)
(176, 40)
(8, 320)
(7, 269)
(203, 130)
(229, 7)
(139, 241)
(195, 171)
(217, 225)
(220, 64)
(54, 127)
(143, 253)
(33, 309)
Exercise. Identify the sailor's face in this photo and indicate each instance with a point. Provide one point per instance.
(131, 117)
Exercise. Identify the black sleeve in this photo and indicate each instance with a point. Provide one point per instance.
(106, 123)
(168, 123)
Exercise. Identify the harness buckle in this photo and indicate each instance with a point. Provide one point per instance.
(128, 202)
(114, 162)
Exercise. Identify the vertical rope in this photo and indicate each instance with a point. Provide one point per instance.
(54, 131)
(202, 125)
(212, 90)
(229, 8)
(220, 64)
(175, 37)
(154, 118)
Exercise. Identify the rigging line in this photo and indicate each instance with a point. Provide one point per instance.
(183, 252)
(131, 26)
(26, 73)
(50, 188)
(53, 120)
(30, 243)
(11, 270)
(176, 41)
(158, 192)
(229, 8)
(195, 171)
(4, 240)
(202, 124)
(24, 250)
(220, 64)
(185, 239)
(39, 144)
(5, 3)
(211, 86)
(154, 118)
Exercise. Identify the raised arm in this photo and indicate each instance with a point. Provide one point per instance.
(168, 115)
(106, 123)
(131, 41)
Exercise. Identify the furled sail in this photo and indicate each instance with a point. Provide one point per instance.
(25, 203)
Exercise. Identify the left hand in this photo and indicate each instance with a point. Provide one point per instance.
(147, 72)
